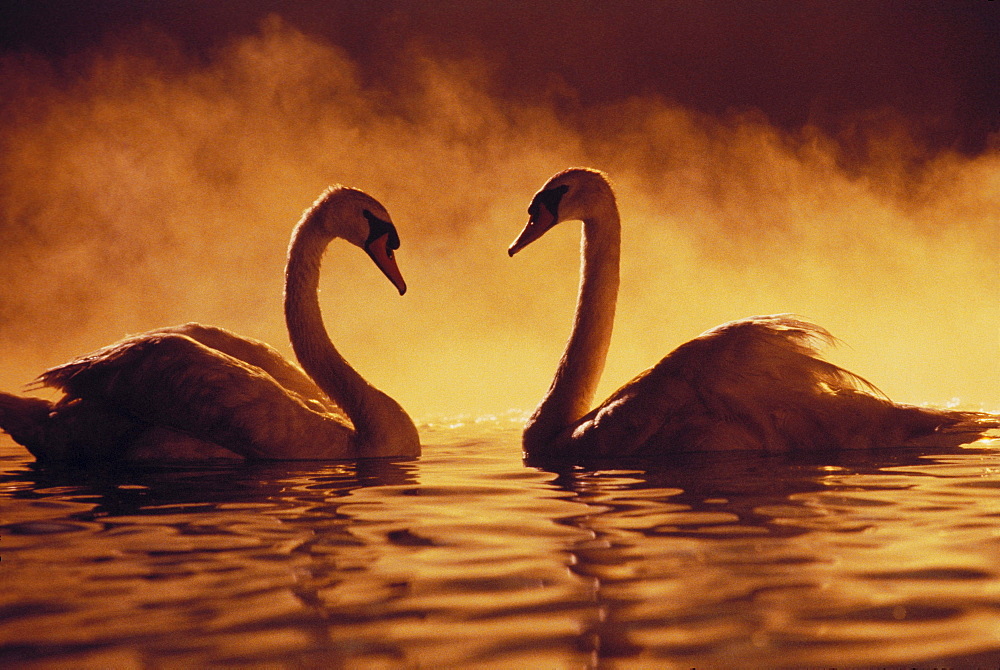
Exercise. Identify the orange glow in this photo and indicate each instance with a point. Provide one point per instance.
(152, 190)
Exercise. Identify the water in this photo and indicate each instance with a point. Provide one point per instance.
(468, 559)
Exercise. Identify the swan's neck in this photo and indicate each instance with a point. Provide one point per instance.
(572, 391)
(381, 425)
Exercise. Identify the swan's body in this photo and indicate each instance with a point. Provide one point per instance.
(753, 384)
(200, 392)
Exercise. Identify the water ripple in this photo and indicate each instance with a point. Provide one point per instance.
(467, 558)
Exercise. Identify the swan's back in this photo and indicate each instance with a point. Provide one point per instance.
(759, 384)
(167, 379)
(260, 355)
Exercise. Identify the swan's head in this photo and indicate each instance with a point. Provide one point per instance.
(360, 219)
(576, 194)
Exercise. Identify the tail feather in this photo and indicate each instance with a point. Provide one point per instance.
(946, 428)
(25, 419)
(73, 430)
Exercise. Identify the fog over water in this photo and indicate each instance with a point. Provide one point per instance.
(150, 178)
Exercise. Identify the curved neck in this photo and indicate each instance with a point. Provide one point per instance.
(572, 390)
(380, 424)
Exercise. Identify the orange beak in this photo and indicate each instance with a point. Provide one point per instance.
(535, 228)
(385, 259)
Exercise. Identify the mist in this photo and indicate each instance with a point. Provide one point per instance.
(149, 187)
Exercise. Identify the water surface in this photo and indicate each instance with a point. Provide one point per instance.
(468, 558)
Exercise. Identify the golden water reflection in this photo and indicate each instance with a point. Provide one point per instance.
(468, 558)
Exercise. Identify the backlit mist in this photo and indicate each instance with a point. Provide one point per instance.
(141, 186)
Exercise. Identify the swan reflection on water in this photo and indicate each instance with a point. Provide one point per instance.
(796, 560)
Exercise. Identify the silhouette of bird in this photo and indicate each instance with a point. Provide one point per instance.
(753, 384)
(199, 392)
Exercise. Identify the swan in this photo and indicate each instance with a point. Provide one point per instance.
(753, 384)
(198, 392)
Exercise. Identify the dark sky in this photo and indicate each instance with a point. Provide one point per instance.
(837, 65)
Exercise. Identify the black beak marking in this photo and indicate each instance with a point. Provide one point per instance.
(377, 228)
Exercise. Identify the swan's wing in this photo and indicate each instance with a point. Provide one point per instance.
(259, 354)
(172, 380)
(722, 386)
(766, 354)
(758, 383)
(767, 376)
(632, 417)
